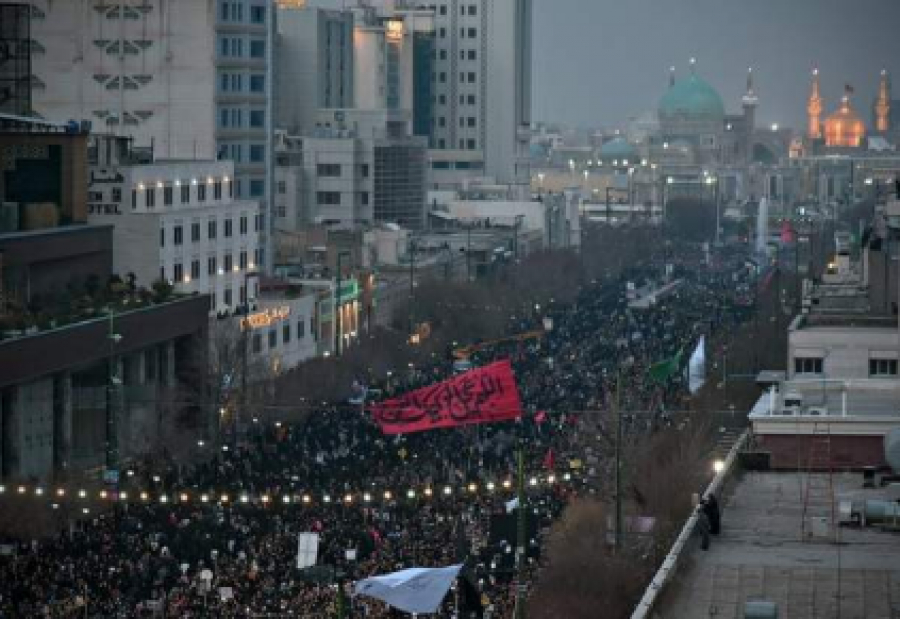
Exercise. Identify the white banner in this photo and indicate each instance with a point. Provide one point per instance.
(307, 550)
(416, 590)
(697, 367)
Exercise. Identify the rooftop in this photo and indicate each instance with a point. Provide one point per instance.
(857, 398)
(843, 321)
(759, 555)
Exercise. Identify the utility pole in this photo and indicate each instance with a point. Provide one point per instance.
(468, 252)
(412, 286)
(336, 320)
(112, 438)
(521, 532)
(618, 465)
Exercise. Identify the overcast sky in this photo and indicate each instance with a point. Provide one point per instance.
(597, 62)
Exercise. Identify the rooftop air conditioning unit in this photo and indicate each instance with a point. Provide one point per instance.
(790, 411)
(817, 411)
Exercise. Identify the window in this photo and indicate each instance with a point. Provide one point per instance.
(237, 82)
(443, 54)
(177, 235)
(882, 367)
(217, 190)
(226, 296)
(257, 342)
(473, 33)
(195, 232)
(211, 266)
(224, 82)
(201, 192)
(185, 193)
(178, 272)
(257, 48)
(286, 333)
(273, 338)
(225, 12)
(443, 9)
(211, 229)
(328, 169)
(224, 46)
(472, 54)
(257, 153)
(442, 99)
(242, 260)
(258, 14)
(442, 77)
(134, 198)
(228, 228)
(301, 328)
(162, 237)
(150, 196)
(473, 9)
(282, 187)
(471, 77)
(257, 188)
(364, 170)
(471, 99)
(243, 224)
(470, 144)
(257, 118)
(257, 83)
(328, 198)
(442, 122)
(808, 365)
(226, 262)
(167, 195)
(364, 198)
(195, 269)
(471, 121)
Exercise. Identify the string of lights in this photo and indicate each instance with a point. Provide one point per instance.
(85, 496)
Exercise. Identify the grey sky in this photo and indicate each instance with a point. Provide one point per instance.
(597, 62)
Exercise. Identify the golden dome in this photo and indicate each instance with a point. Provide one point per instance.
(844, 128)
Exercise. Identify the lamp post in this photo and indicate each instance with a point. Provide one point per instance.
(714, 180)
(412, 286)
(245, 350)
(112, 437)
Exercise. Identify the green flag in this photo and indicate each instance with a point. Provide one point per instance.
(662, 371)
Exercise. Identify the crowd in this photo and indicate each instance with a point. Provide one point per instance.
(238, 560)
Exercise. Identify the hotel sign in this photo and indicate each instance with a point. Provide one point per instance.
(265, 318)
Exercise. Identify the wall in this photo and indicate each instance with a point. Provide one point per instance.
(790, 452)
(162, 87)
(846, 350)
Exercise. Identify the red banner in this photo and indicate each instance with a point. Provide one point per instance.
(481, 395)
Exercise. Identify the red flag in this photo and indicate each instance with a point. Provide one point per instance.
(787, 233)
(481, 395)
(549, 460)
(540, 417)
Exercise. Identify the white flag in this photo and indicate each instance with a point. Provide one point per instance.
(416, 590)
(307, 549)
(511, 505)
(697, 367)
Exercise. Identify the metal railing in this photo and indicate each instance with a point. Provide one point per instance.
(664, 575)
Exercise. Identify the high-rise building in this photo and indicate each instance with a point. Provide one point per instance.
(482, 90)
(315, 65)
(190, 78)
(15, 59)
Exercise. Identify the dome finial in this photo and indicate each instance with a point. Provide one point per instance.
(671, 76)
(693, 66)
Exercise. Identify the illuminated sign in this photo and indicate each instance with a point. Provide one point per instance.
(394, 30)
(265, 317)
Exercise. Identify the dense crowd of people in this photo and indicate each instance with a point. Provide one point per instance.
(235, 559)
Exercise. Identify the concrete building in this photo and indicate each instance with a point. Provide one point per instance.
(191, 78)
(359, 167)
(315, 65)
(176, 220)
(482, 90)
(15, 65)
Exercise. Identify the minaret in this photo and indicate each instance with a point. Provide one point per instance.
(749, 101)
(814, 109)
(883, 105)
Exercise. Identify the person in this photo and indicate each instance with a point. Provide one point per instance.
(713, 514)
(703, 526)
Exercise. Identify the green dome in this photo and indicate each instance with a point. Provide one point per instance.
(618, 148)
(694, 99)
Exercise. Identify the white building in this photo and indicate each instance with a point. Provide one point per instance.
(315, 64)
(176, 220)
(190, 78)
(482, 90)
(281, 332)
